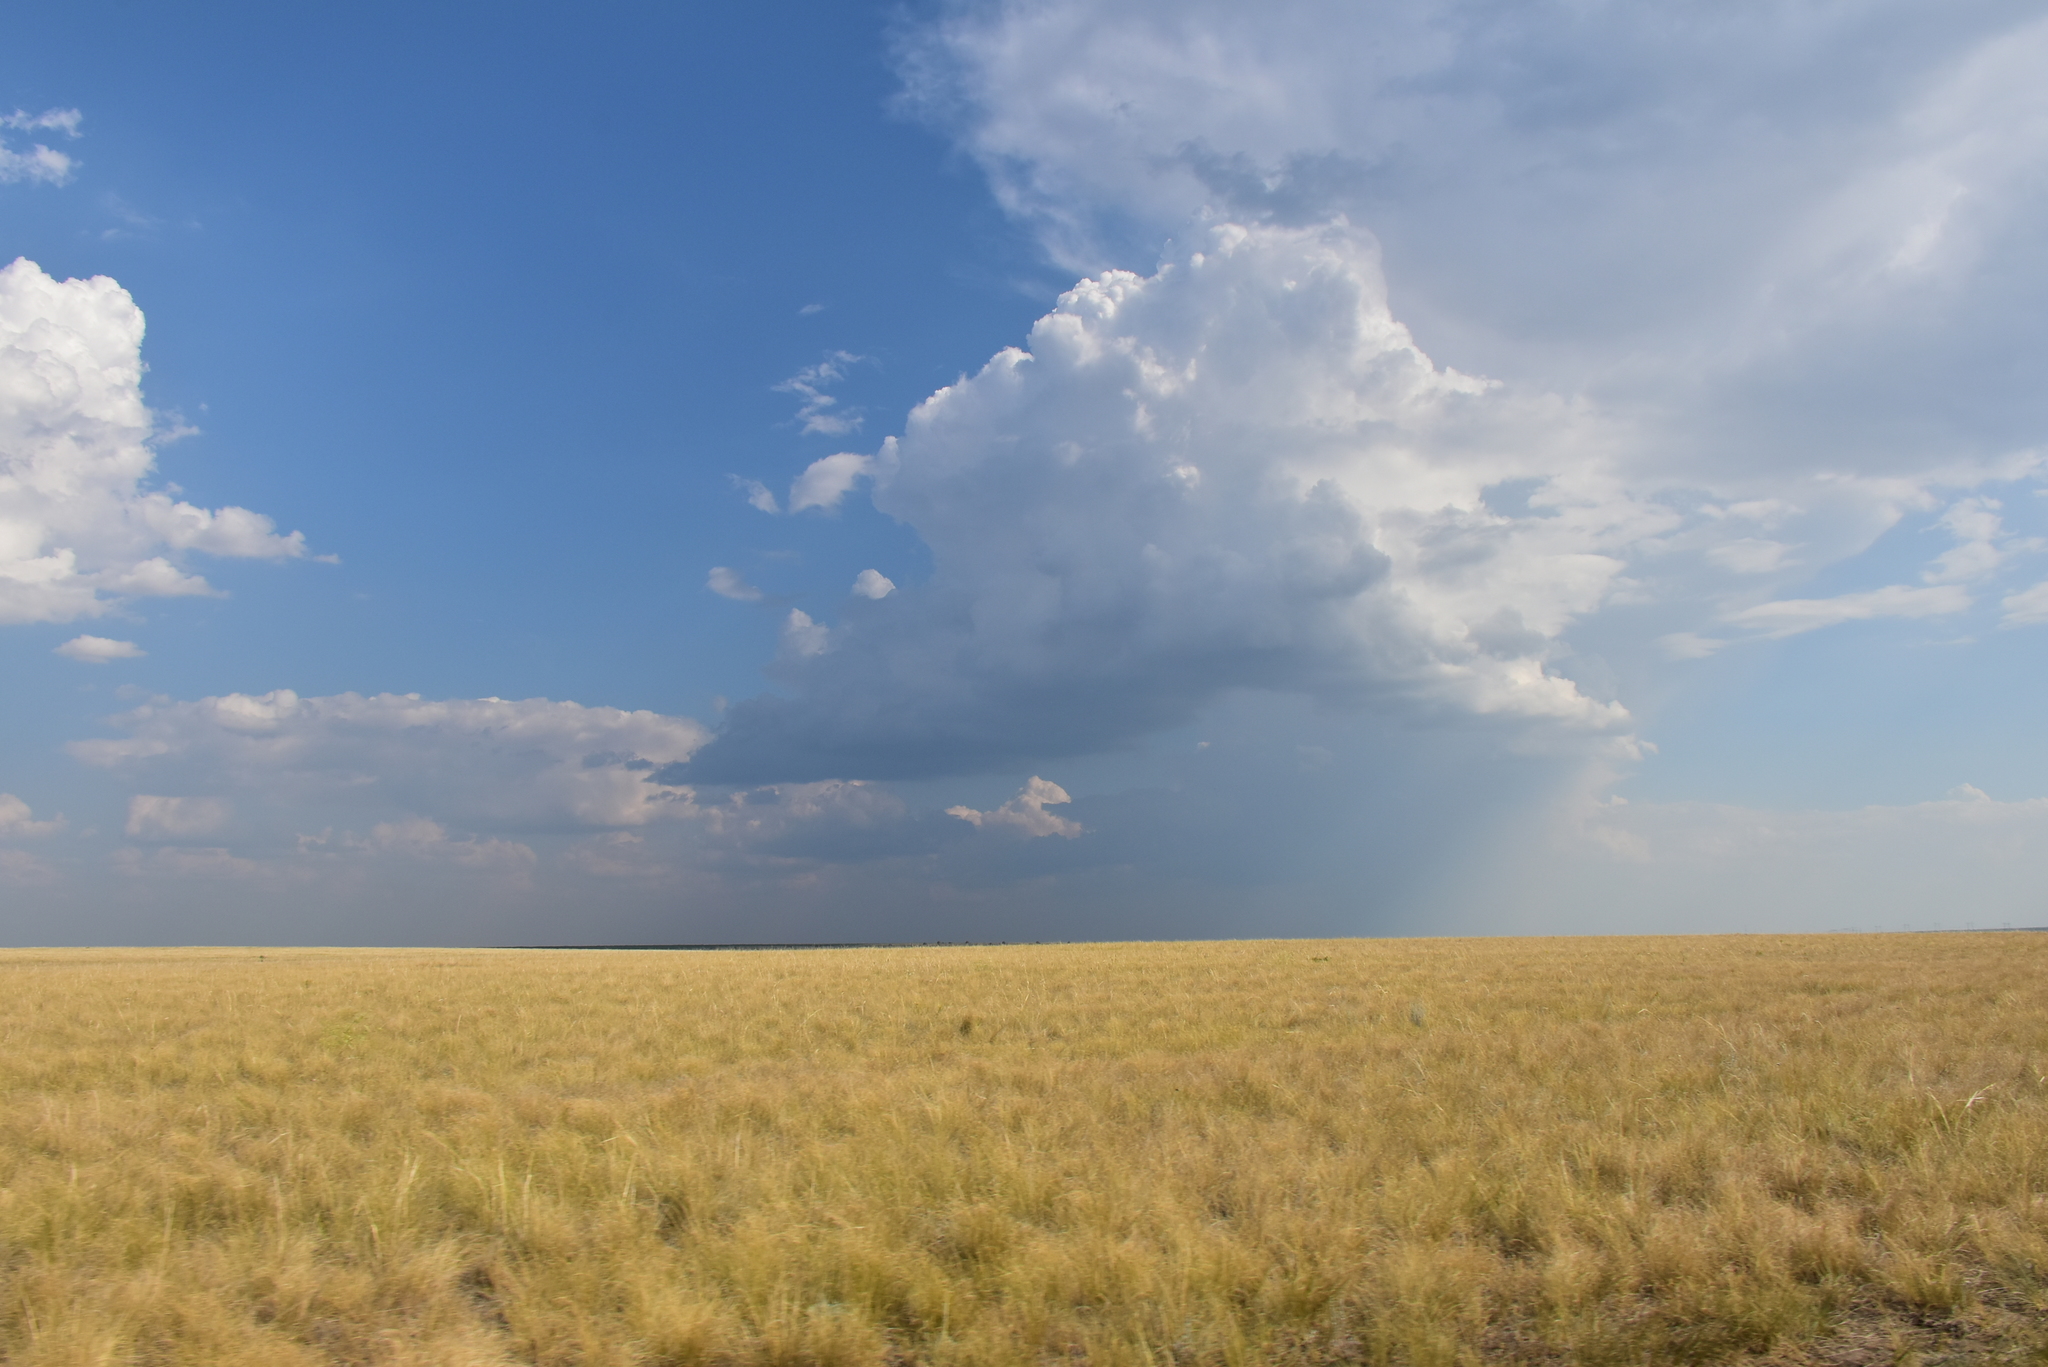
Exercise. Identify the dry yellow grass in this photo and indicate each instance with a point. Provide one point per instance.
(1600, 1151)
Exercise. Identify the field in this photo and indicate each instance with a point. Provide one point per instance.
(1788, 1149)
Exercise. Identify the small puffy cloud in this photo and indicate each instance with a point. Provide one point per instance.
(17, 820)
(176, 818)
(22, 869)
(39, 163)
(1977, 528)
(532, 764)
(873, 584)
(2028, 607)
(809, 384)
(99, 650)
(727, 583)
(1026, 811)
(827, 481)
(78, 529)
(63, 121)
(759, 495)
(803, 637)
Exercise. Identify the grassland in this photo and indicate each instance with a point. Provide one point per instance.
(1804, 1149)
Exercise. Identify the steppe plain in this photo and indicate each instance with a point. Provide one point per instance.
(1774, 1149)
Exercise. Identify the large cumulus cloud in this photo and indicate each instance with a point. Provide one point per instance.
(79, 531)
(1242, 472)
(1237, 472)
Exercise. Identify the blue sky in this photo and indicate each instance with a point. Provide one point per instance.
(1077, 468)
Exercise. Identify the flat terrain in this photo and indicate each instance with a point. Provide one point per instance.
(1788, 1149)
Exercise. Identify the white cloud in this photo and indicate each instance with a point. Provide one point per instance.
(98, 650)
(478, 762)
(803, 637)
(176, 818)
(1770, 237)
(39, 163)
(22, 869)
(1754, 287)
(1751, 555)
(78, 531)
(63, 121)
(2028, 607)
(816, 412)
(17, 820)
(759, 495)
(1796, 615)
(1688, 645)
(1809, 150)
(1240, 471)
(727, 583)
(873, 584)
(1977, 528)
(824, 482)
(1026, 811)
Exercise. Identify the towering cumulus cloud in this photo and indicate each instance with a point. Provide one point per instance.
(78, 531)
(1237, 472)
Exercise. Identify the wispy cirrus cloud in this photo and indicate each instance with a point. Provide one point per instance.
(819, 411)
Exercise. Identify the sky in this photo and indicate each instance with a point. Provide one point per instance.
(1044, 470)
